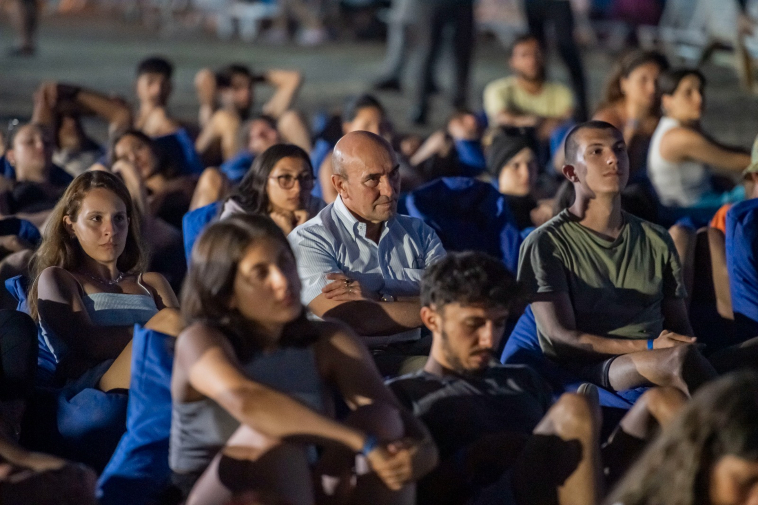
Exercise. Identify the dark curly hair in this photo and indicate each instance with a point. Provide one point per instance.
(469, 278)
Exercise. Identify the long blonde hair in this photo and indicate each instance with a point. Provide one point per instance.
(58, 249)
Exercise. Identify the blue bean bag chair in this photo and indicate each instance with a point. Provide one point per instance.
(139, 469)
(194, 222)
(742, 264)
(74, 420)
(523, 348)
(468, 214)
(179, 148)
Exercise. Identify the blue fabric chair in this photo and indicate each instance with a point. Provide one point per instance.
(237, 166)
(468, 214)
(194, 222)
(742, 264)
(75, 421)
(179, 148)
(139, 469)
(523, 348)
(321, 149)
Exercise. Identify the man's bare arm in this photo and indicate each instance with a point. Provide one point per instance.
(286, 84)
(370, 318)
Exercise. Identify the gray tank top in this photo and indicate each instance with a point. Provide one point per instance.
(200, 429)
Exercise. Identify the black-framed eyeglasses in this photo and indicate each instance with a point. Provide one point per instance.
(287, 181)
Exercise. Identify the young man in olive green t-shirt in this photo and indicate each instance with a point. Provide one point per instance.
(606, 286)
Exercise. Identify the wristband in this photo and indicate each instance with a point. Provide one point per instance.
(369, 445)
(650, 344)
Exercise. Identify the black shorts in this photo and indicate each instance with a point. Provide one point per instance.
(595, 372)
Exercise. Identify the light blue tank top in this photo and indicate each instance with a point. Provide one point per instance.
(105, 309)
(200, 429)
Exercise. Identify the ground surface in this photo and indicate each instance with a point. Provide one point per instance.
(102, 52)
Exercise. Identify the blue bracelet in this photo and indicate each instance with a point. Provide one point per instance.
(650, 344)
(369, 445)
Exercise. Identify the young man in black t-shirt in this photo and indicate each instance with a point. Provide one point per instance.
(499, 434)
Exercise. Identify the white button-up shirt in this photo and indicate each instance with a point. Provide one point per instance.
(334, 241)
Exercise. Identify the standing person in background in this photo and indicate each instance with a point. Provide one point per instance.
(434, 16)
(559, 13)
(402, 15)
(24, 17)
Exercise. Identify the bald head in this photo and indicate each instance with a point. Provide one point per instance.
(356, 149)
(366, 175)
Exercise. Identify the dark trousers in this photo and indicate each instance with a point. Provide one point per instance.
(18, 354)
(434, 16)
(559, 13)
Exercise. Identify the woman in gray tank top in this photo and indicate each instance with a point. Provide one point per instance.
(253, 379)
(89, 288)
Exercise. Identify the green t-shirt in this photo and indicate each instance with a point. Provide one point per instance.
(616, 287)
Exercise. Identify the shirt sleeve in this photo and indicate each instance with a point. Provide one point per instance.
(673, 281)
(315, 259)
(540, 268)
(433, 247)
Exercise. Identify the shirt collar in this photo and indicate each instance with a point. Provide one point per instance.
(352, 223)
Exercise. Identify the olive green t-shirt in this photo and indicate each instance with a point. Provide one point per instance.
(616, 287)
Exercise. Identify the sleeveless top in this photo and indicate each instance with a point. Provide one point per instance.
(201, 428)
(677, 184)
(104, 309)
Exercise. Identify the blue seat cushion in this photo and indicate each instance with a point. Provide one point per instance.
(195, 221)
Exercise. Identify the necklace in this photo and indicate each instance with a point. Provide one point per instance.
(106, 281)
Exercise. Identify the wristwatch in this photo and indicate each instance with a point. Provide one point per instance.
(388, 298)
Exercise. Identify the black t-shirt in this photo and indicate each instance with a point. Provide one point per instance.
(458, 410)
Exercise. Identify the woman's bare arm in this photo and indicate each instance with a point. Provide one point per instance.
(717, 245)
(212, 370)
(681, 144)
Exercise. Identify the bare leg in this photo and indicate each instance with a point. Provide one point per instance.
(684, 241)
(251, 462)
(561, 461)
(211, 187)
(657, 407)
(744, 355)
(681, 367)
(293, 129)
(118, 376)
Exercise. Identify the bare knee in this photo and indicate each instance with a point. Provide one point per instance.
(663, 403)
(210, 188)
(381, 420)
(168, 321)
(573, 416)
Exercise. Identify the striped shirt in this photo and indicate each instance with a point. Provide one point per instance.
(335, 242)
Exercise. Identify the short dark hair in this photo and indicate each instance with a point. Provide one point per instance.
(527, 37)
(155, 65)
(669, 80)
(353, 105)
(469, 278)
(572, 147)
(224, 75)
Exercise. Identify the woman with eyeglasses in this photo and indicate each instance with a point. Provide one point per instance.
(278, 185)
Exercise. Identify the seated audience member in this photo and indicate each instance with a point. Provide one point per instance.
(31, 184)
(681, 154)
(707, 454)
(361, 262)
(261, 133)
(250, 383)
(606, 287)
(454, 151)
(512, 163)
(226, 99)
(154, 88)
(631, 104)
(278, 185)
(74, 151)
(90, 288)
(361, 113)
(492, 422)
(528, 99)
(717, 239)
(168, 191)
